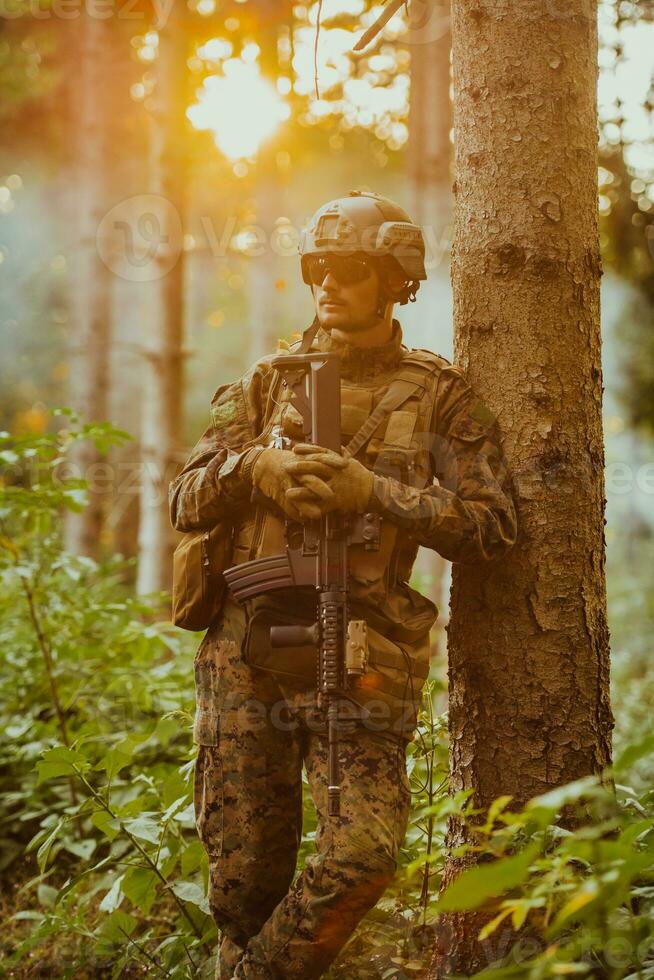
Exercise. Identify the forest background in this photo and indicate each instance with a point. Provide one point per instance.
(157, 166)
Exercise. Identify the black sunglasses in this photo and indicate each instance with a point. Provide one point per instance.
(346, 269)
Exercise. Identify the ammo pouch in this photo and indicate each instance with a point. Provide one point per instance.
(198, 584)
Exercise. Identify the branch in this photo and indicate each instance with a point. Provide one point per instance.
(315, 49)
(391, 8)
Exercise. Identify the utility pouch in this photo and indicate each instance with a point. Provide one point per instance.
(198, 584)
(298, 663)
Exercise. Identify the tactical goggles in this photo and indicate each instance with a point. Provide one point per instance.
(346, 269)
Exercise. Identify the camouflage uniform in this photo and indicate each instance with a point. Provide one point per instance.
(441, 482)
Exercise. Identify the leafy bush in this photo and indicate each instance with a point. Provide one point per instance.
(104, 874)
(95, 752)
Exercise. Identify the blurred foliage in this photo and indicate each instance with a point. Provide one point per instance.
(103, 874)
(627, 226)
(626, 189)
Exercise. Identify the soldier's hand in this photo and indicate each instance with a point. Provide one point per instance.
(350, 481)
(277, 474)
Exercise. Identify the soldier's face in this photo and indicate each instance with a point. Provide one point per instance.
(347, 307)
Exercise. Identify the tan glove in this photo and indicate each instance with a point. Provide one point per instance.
(349, 480)
(277, 473)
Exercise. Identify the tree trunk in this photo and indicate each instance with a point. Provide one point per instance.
(264, 267)
(430, 117)
(163, 366)
(89, 45)
(528, 637)
(128, 163)
(266, 278)
(429, 163)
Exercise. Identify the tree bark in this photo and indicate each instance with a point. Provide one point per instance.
(161, 409)
(528, 637)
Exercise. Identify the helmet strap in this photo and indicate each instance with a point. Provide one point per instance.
(382, 300)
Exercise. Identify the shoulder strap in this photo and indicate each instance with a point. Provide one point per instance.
(408, 382)
(300, 347)
(307, 337)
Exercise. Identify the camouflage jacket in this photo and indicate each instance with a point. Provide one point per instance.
(447, 487)
(465, 512)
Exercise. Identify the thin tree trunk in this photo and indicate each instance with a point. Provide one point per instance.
(266, 269)
(429, 164)
(430, 115)
(163, 366)
(128, 163)
(90, 42)
(528, 637)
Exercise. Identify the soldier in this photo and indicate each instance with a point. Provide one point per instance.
(435, 473)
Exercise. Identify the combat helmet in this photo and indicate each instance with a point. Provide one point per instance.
(369, 223)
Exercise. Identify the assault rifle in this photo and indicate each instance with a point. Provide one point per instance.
(316, 554)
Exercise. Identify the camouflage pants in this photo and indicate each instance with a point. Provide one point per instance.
(254, 738)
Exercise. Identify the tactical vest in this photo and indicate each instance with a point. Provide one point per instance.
(399, 618)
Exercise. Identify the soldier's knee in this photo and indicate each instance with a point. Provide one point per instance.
(368, 872)
(240, 893)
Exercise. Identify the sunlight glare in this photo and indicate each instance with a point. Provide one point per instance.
(240, 108)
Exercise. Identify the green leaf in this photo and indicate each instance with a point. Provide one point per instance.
(109, 826)
(633, 753)
(192, 857)
(491, 926)
(589, 892)
(81, 848)
(116, 925)
(116, 759)
(189, 891)
(47, 895)
(60, 761)
(43, 853)
(114, 896)
(556, 799)
(472, 888)
(496, 807)
(174, 807)
(140, 886)
(186, 816)
(144, 828)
